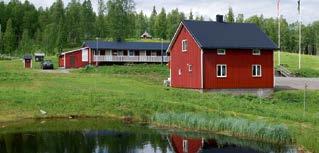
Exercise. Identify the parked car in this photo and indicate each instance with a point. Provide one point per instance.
(47, 65)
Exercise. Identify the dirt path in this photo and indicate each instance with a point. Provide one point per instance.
(297, 83)
(56, 71)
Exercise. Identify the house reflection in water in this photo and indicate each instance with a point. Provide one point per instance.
(181, 144)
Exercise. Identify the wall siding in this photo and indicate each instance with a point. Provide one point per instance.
(78, 59)
(239, 69)
(180, 60)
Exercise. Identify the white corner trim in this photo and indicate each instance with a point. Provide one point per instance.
(202, 68)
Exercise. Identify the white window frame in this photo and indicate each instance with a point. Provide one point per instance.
(190, 67)
(221, 51)
(131, 51)
(184, 49)
(256, 50)
(179, 72)
(221, 65)
(185, 146)
(252, 70)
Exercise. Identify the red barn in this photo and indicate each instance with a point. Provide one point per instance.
(209, 55)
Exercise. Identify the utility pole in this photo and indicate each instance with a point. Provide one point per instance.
(162, 52)
(299, 12)
(279, 31)
(97, 49)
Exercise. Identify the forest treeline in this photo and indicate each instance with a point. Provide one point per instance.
(25, 28)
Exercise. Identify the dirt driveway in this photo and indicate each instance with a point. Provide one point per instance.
(297, 83)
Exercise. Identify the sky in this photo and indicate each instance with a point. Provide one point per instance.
(209, 8)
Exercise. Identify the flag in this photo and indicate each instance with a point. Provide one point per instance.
(299, 6)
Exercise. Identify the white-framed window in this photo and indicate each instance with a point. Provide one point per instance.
(256, 70)
(185, 146)
(256, 51)
(221, 70)
(184, 45)
(179, 72)
(153, 53)
(221, 51)
(190, 68)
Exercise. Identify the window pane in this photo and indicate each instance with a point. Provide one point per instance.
(219, 73)
(224, 70)
(258, 70)
(254, 70)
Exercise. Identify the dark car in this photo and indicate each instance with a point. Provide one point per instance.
(47, 65)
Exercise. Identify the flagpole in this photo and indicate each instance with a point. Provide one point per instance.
(299, 12)
(279, 29)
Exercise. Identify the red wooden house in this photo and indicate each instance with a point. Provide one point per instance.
(209, 55)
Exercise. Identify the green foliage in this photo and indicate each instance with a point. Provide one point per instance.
(241, 127)
(309, 64)
(9, 39)
(161, 24)
(119, 13)
(230, 16)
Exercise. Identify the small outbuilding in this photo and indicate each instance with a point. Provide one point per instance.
(39, 57)
(146, 35)
(27, 61)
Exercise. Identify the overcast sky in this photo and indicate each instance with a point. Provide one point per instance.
(209, 8)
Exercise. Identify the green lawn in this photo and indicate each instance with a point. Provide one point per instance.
(309, 64)
(137, 91)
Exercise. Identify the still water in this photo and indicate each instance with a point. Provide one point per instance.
(109, 136)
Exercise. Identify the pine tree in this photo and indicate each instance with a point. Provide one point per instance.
(9, 39)
(174, 18)
(74, 32)
(230, 16)
(152, 21)
(141, 24)
(87, 20)
(120, 13)
(1, 42)
(240, 18)
(161, 24)
(101, 29)
(191, 16)
(25, 44)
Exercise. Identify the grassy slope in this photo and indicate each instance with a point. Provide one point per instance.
(309, 64)
(137, 91)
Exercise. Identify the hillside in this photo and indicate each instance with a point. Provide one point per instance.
(309, 64)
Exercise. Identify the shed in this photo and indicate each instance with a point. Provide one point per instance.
(39, 57)
(146, 35)
(27, 61)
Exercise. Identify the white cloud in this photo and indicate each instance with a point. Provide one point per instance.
(209, 8)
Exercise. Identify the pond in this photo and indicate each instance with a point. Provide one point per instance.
(112, 136)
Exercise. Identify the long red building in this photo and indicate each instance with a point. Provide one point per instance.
(211, 55)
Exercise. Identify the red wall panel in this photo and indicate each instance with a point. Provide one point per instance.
(239, 69)
(180, 60)
(77, 55)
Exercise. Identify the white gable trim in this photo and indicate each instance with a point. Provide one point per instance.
(176, 34)
(74, 50)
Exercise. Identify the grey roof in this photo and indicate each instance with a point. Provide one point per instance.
(214, 35)
(27, 56)
(125, 45)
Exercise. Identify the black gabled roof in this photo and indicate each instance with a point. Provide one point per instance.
(214, 35)
(120, 45)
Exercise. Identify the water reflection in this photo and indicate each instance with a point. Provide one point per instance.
(117, 138)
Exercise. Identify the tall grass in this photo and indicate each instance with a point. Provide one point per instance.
(235, 126)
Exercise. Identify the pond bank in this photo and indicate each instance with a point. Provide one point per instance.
(60, 132)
